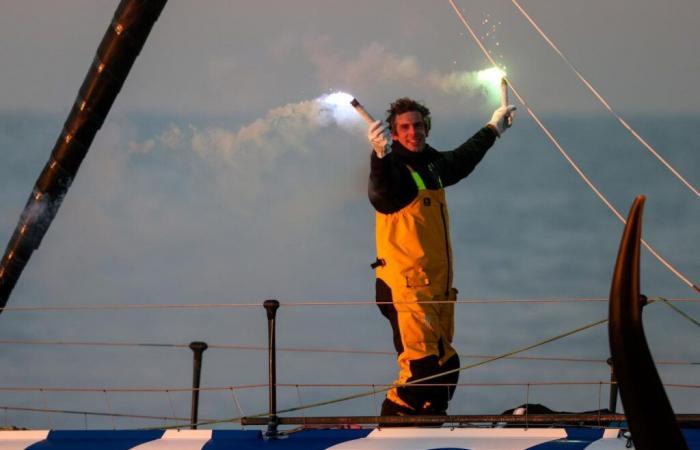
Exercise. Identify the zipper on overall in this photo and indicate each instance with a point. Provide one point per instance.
(447, 248)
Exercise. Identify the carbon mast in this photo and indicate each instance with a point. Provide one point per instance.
(120, 45)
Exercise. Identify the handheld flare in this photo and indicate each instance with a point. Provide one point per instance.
(504, 100)
(379, 135)
(367, 117)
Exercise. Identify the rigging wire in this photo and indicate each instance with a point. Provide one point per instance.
(477, 384)
(232, 389)
(237, 402)
(420, 380)
(568, 158)
(679, 311)
(176, 419)
(605, 103)
(45, 401)
(261, 348)
(127, 390)
(109, 409)
(94, 413)
(170, 403)
(374, 391)
(309, 303)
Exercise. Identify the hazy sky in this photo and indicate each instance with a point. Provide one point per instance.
(218, 178)
(239, 57)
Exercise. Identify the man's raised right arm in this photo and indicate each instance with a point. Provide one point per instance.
(388, 190)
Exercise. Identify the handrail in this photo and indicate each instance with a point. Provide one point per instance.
(601, 419)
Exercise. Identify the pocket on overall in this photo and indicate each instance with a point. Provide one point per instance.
(416, 278)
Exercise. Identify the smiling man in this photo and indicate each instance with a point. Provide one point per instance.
(414, 257)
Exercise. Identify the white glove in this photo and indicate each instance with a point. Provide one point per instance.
(502, 119)
(378, 136)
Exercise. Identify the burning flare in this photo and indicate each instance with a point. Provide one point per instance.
(491, 80)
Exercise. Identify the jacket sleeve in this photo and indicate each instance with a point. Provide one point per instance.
(390, 185)
(460, 162)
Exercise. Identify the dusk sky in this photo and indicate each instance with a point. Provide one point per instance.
(219, 177)
(226, 57)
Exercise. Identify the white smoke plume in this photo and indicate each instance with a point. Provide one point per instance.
(375, 67)
(291, 141)
(456, 82)
(280, 130)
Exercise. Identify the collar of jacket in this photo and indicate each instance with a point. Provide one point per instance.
(423, 157)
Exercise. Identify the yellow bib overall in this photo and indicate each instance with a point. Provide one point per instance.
(413, 246)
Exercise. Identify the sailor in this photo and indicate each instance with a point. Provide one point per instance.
(414, 287)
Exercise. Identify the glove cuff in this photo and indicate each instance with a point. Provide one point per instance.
(383, 151)
(493, 128)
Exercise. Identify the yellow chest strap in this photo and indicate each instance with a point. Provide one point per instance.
(419, 180)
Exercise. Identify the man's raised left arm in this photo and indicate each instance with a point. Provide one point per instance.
(461, 161)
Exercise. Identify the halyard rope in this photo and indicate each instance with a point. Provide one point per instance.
(566, 156)
(605, 103)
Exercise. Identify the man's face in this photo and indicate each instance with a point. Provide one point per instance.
(410, 131)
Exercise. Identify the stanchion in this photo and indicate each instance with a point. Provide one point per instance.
(271, 307)
(197, 348)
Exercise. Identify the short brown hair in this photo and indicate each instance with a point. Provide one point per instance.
(403, 105)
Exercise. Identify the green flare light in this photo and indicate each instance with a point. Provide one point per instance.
(490, 81)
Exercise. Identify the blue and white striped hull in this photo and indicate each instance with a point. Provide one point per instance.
(365, 439)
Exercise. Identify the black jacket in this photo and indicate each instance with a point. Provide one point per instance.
(391, 186)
